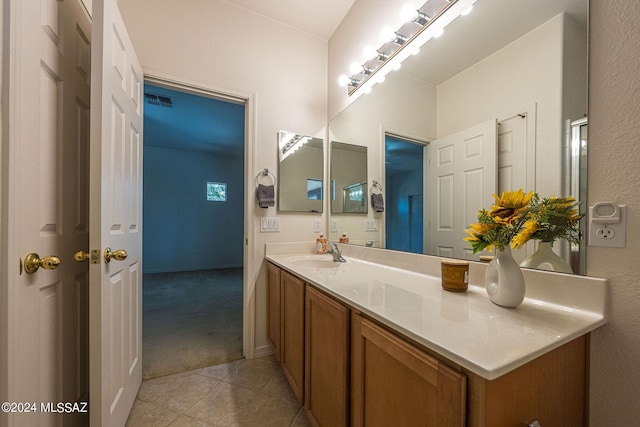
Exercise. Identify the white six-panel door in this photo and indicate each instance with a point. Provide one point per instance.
(48, 201)
(115, 218)
(461, 178)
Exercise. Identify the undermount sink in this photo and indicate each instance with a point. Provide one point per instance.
(316, 263)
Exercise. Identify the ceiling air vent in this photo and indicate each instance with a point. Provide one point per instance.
(160, 100)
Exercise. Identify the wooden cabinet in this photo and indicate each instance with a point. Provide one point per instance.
(273, 308)
(292, 331)
(285, 324)
(326, 360)
(551, 389)
(348, 369)
(395, 383)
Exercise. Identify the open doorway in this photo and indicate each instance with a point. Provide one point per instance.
(193, 222)
(404, 219)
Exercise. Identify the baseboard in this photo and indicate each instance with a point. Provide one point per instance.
(262, 351)
(193, 268)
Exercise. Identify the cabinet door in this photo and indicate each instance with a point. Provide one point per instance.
(273, 308)
(395, 383)
(326, 360)
(292, 331)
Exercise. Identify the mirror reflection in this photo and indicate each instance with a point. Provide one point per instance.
(503, 83)
(348, 178)
(300, 186)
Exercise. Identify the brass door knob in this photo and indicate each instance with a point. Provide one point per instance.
(32, 263)
(118, 255)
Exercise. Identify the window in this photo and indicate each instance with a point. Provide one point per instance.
(216, 192)
(314, 189)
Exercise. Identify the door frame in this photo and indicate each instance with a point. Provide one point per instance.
(249, 273)
(421, 140)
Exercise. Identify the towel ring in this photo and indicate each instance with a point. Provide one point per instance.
(376, 186)
(265, 172)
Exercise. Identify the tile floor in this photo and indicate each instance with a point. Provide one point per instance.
(241, 393)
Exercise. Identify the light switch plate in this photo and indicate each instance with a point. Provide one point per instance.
(269, 224)
(317, 225)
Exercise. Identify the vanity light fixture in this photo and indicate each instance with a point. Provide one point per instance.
(421, 25)
(410, 13)
(290, 143)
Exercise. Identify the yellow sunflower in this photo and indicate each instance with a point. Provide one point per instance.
(530, 227)
(510, 205)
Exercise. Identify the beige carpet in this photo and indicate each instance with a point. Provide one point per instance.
(190, 320)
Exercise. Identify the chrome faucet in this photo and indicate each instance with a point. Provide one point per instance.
(337, 255)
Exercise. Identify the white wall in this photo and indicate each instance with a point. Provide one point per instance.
(614, 174)
(218, 45)
(183, 231)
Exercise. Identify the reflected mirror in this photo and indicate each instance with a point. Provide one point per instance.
(505, 82)
(348, 178)
(300, 173)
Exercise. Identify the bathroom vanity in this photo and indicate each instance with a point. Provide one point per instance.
(377, 341)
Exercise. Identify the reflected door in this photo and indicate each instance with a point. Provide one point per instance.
(404, 180)
(461, 179)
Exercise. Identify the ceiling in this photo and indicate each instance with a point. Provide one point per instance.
(320, 18)
(193, 123)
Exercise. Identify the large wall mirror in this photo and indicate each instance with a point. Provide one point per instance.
(348, 179)
(513, 72)
(300, 173)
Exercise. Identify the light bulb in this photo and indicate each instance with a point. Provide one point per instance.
(396, 66)
(438, 33)
(380, 78)
(467, 11)
(344, 80)
(367, 89)
(415, 51)
(370, 53)
(355, 68)
(387, 35)
(409, 12)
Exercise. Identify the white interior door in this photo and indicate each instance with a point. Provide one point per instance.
(512, 150)
(461, 178)
(512, 156)
(115, 219)
(49, 72)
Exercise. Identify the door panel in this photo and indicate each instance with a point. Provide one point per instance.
(116, 186)
(49, 137)
(461, 179)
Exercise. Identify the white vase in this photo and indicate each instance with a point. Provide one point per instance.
(545, 259)
(504, 280)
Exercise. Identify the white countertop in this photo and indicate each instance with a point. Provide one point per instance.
(466, 328)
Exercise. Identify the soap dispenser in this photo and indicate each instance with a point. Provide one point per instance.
(344, 238)
(321, 244)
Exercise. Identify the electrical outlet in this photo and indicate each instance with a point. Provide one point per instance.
(608, 225)
(605, 233)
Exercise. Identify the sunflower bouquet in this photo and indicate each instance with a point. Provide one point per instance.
(516, 218)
